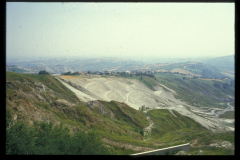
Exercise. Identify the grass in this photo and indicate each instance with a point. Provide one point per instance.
(137, 115)
(228, 115)
(232, 104)
(42, 104)
(123, 151)
(169, 128)
(195, 90)
(149, 82)
(47, 80)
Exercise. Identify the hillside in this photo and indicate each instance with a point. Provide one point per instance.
(43, 98)
(60, 65)
(225, 62)
(39, 98)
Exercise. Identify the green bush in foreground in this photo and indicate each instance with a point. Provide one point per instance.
(44, 139)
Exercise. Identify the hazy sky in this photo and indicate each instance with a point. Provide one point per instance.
(120, 29)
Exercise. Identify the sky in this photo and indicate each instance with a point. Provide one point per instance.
(157, 30)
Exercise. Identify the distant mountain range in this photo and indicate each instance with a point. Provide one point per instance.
(57, 66)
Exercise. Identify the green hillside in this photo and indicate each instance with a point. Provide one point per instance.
(48, 113)
(24, 99)
(169, 129)
(225, 62)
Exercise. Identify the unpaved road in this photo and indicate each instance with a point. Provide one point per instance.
(147, 130)
(229, 108)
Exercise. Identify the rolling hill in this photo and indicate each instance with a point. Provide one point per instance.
(36, 99)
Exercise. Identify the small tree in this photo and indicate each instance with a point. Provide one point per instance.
(141, 132)
(44, 73)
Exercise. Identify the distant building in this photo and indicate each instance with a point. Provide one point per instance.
(128, 72)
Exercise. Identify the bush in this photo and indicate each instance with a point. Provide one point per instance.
(44, 73)
(44, 139)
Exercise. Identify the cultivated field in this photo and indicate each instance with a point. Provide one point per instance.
(211, 79)
(183, 71)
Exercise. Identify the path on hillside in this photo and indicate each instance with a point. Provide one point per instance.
(229, 108)
(147, 130)
(130, 104)
(105, 95)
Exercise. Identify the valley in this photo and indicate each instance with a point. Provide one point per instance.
(124, 110)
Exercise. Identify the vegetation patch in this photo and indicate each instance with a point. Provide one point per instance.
(228, 115)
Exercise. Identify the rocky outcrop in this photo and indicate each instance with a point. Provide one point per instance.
(101, 107)
(223, 144)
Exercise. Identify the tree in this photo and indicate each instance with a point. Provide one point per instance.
(141, 132)
(89, 72)
(184, 78)
(44, 73)
(75, 73)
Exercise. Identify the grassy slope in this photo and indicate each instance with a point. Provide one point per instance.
(47, 80)
(170, 128)
(117, 129)
(167, 127)
(183, 129)
(196, 90)
(228, 115)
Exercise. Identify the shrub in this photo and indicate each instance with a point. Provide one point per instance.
(44, 73)
(43, 138)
